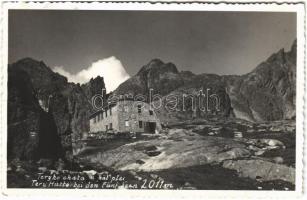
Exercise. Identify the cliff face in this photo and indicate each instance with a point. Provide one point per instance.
(203, 96)
(161, 77)
(23, 115)
(36, 93)
(176, 90)
(268, 92)
(93, 87)
(265, 94)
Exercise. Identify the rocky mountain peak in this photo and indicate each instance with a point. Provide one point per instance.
(30, 65)
(281, 57)
(157, 75)
(97, 81)
(93, 87)
(155, 61)
(277, 57)
(28, 60)
(293, 50)
(294, 45)
(157, 66)
(41, 76)
(268, 92)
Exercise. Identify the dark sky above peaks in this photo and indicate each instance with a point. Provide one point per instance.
(202, 42)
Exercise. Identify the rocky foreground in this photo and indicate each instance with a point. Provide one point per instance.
(228, 154)
(260, 152)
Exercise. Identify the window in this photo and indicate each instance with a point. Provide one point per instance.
(126, 123)
(139, 108)
(94, 119)
(106, 127)
(150, 112)
(106, 113)
(140, 124)
(110, 125)
(126, 108)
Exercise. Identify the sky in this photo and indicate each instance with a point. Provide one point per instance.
(116, 44)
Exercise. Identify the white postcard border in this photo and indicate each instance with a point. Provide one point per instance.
(298, 7)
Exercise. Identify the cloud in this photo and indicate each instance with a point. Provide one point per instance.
(111, 69)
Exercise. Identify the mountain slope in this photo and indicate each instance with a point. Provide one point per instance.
(160, 77)
(265, 94)
(268, 92)
(34, 89)
(23, 115)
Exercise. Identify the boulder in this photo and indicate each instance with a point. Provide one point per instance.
(180, 149)
(261, 170)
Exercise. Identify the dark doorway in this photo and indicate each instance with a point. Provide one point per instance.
(151, 127)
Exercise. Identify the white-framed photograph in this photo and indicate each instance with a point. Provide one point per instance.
(153, 99)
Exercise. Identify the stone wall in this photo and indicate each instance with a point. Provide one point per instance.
(100, 125)
(131, 115)
(123, 114)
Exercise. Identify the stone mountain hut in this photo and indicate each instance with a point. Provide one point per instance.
(125, 116)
